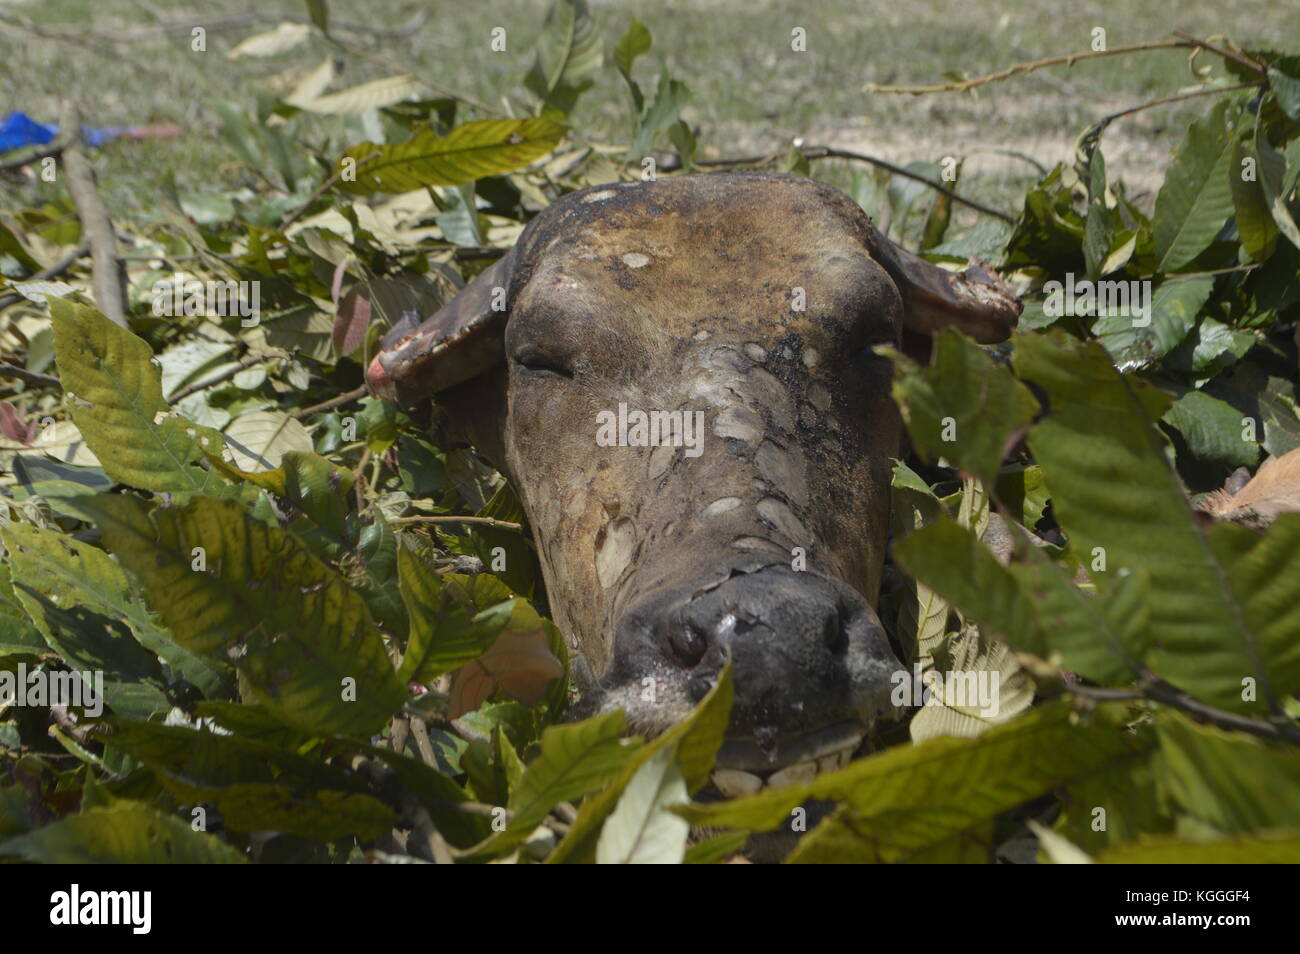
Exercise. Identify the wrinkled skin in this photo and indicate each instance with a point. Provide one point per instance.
(755, 299)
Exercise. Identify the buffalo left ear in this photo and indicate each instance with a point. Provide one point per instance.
(974, 300)
(462, 340)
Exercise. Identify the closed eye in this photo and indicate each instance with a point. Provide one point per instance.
(541, 362)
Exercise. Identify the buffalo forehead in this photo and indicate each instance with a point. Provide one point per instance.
(682, 250)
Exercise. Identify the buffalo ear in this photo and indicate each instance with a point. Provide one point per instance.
(974, 300)
(463, 339)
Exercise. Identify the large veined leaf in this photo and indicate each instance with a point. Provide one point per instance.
(1002, 689)
(224, 582)
(951, 407)
(1172, 311)
(471, 151)
(121, 833)
(1123, 509)
(71, 574)
(443, 633)
(670, 96)
(1033, 604)
(118, 399)
(259, 440)
(1255, 222)
(256, 785)
(1196, 198)
(18, 635)
(1280, 847)
(569, 54)
(967, 782)
(695, 741)
(641, 829)
(1229, 781)
(575, 759)
(635, 42)
(1212, 430)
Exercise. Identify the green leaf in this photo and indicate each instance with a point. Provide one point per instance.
(968, 782)
(259, 440)
(962, 407)
(575, 759)
(1196, 198)
(713, 850)
(304, 640)
(1255, 222)
(1281, 847)
(1228, 780)
(670, 96)
(634, 43)
(73, 574)
(1173, 309)
(1098, 231)
(1123, 508)
(122, 833)
(696, 741)
(319, 13)
(118, 399)
(443, 635)
(471, 151)
(641, 829)
(569, 54)
(1212, 430)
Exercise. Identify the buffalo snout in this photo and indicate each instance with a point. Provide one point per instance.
(812, 668)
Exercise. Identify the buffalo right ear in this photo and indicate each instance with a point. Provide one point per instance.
(975, 300)
(462, 340)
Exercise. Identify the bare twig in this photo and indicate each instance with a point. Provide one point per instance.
(423, 744)
(107, 275)
(485, 521)
(1068, 59)
(345, 398)
(1227, 54)
(243, 364)
(8, 370)
(1105, 121)
(54, 271)
(321, 190)
(1156, 690)
(827, 152)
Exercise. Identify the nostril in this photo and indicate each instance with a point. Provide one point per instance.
(835, 632)
(688, 645)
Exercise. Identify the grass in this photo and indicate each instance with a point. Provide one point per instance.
(751, 93)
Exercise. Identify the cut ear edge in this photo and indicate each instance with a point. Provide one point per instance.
(975, 299)
(464, 338)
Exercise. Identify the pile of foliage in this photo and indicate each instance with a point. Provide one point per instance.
(323, 635)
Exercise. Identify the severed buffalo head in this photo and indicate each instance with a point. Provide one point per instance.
(730, 319)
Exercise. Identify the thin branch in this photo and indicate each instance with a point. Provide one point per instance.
(107, 274)
(1105, 121)
(1155, 690)
(827, 152)
(319, 191)
(1068, 59)
(8, 370)
(485, 521)
(243, 364)
(1238, 58)
(45, 274)
(345, 398)
(423, 744)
